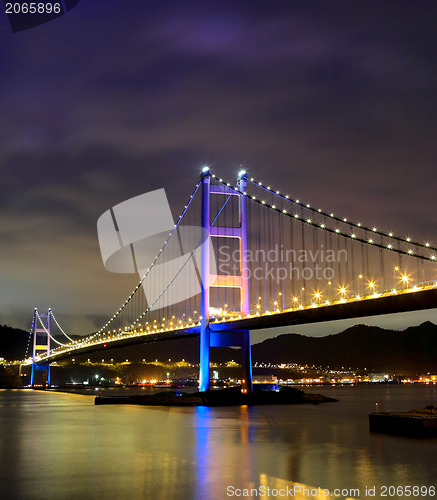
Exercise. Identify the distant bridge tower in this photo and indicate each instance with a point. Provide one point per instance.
(41, 344)
(229, 338)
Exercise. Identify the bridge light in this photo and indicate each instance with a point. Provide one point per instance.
(391, 235)
(433, 257)
(337, 230)
(410, 252)
(353, 235)
(205, 169)
(374, 229)
(427, 245)
(297, 201)
(370, 241)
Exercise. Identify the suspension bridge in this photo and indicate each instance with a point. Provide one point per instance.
(244, 256)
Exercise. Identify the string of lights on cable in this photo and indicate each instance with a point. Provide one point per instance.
(336, 230)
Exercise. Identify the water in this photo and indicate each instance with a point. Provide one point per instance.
(61, 446)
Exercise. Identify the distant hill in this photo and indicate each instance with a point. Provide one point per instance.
(371, 347)
(13, 342)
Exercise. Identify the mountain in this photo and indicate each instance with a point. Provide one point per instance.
(13, 343)
(371, 347)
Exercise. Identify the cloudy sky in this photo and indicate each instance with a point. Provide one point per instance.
(334, 100)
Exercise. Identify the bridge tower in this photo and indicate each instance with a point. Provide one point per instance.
(41, 344)
(230, 338)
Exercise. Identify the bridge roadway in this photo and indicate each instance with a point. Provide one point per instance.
(404, 301)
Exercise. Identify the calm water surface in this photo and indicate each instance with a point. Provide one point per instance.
(61, 446)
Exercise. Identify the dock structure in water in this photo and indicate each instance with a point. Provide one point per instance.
(415, 423)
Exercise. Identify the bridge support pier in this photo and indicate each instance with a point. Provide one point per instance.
(46, 378)
(238, 338)
(247, 363)
(204, 359)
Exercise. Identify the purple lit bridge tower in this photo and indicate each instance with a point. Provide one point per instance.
(41, 326)
(238, 280)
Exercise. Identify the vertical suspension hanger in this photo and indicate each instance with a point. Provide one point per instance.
(283, 257)
(353, 274)
(304, 284)
(340, 276)
(346, 264)
(315, 260)
(381, 265)
(366, 248)
(291, 264)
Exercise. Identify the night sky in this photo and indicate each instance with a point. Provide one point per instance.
(333, 101)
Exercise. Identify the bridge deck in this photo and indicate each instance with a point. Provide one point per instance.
(353, 308)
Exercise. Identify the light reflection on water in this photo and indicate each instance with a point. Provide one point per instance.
(60, 446)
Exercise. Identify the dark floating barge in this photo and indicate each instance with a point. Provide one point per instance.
(414, 423)
(223, 397)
